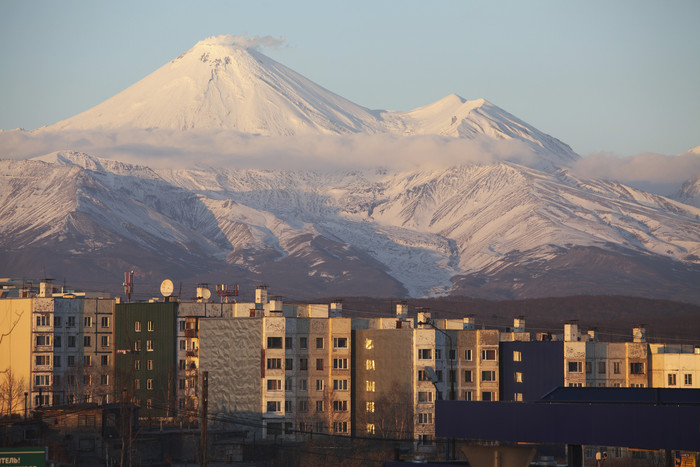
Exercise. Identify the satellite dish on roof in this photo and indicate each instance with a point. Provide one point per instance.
(206, 293)
(166, 288)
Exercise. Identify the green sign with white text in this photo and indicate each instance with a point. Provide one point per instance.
(23, 457)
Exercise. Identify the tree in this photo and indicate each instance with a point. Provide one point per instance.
(11, 393)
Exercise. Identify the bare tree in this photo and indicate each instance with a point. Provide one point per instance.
(393, 415)
(11, 392)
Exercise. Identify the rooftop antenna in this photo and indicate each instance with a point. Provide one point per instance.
(128, 284)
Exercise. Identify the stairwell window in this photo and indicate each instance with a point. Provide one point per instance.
(637, 368)
(488, 354)
(425, 354)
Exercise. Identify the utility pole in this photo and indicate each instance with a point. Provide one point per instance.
(203, 424)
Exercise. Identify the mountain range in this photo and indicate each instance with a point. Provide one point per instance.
(514, 226)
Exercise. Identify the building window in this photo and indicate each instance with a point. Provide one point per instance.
(149, 345)
(319, 342)
(288, 407)
(518, 397)
(274, 363)
(517, 356)
(468, 376)
(57, 321)
(274, 385)
(303, 384)
(43, 320)
(303, 405)
(340, 427)
(104, 341)
(468, 355)
(183, 364)
(274, 342)
(370, 429)
(105, 321)
(288, 364)
(423, 375)
(589, 368)
(453, 354)
(319, 406)
(150, 326)
(369, 386)
(575, 385)
(303, 364)
(425, 354)
(137, 326)
(340, 363)
(137, 364)
(104, 380)
(273, 406)
(42, 360)
(486, 396)
(575, 367)
(43, 340)
(518, 377)
(303, 343)
(671, 379)
(601, 368)
(86, 380)
(182, 383)
(87, 321)
(319, 364)
(149, 364)
(340, 406)
(87, 360)
(369, 365)
(488, 375)
(42, 380)
(468, 395)
(438, 354)
(149, 403)
(637, 368)
(489, 354)
(71, 360)
(369, 407)
(319, 385)
(340, 342)
(104, 360)
(56, 341)
(71, 321)
(57, 362)
(340, 384)
(71, 341)
(425, 418)
(688, 379)
(616, 368)
(425, 396)
(183, 344)
(149, 384)
(86, 341)
(369, 344)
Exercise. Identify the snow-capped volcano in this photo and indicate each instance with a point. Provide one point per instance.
(222, 85)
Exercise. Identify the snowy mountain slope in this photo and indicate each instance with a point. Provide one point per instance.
(219, 85)
(420, 229)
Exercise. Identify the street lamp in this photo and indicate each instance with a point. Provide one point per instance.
(25, 405)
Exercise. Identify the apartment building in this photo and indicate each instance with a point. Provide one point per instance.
(675, 366)
(402, 367)
(280, 370)
(57, 348)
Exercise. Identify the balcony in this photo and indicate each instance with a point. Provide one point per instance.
(192, 353)
(191, 333)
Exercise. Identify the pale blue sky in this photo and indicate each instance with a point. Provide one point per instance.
(615, 76)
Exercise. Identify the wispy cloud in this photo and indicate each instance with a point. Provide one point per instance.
(652, 172)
